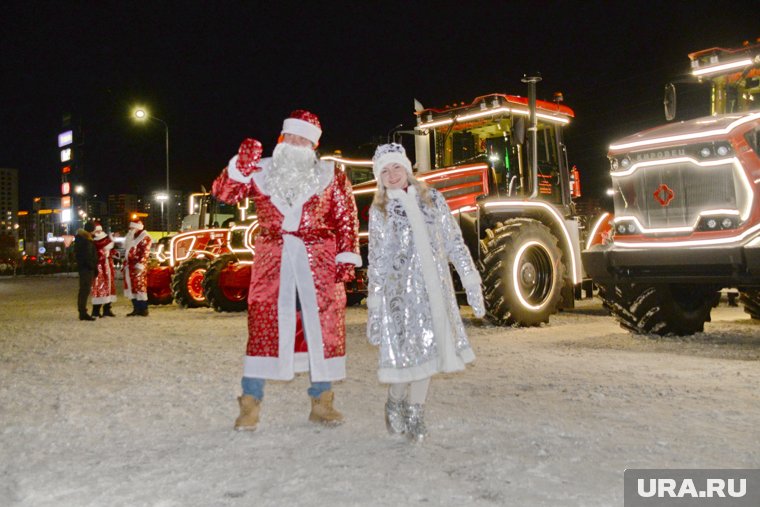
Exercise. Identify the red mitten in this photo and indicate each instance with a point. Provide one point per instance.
(249, 156)
(344, 272)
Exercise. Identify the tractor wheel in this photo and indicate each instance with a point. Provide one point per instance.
(220, 297)
(522, 271)
(751, 300)
(187, 283)
(660, 309)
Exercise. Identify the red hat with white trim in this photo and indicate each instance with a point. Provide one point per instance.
(98, 233)
(303, 123)
(136, 224)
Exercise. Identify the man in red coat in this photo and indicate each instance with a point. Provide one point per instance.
(136, 252)
(104, 285)
(308, 246)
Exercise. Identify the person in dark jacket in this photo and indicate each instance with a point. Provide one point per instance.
(87, 261)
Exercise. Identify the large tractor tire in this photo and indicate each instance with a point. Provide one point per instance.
(522, 271)
(220, 296)
(160, 285)
(750, 298)
(187, 283)
(660, 309)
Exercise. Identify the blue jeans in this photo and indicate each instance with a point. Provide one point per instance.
(255, 387)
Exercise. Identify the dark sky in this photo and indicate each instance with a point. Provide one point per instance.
(217, 72)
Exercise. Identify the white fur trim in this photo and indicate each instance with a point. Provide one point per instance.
(302, 128)
(139, 266)
(349, 258)
(234, 173)
(99, 235)
(136, 225)
(471, 281)
(420, 372)
(104, 300)
(448, 360)
(390, 158)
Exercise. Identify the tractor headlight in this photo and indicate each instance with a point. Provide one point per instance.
(705, 152)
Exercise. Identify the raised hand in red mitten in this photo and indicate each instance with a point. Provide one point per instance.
(249, 155)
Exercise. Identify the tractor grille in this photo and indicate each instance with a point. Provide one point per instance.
(673, 195)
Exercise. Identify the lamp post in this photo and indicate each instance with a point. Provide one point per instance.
(161, 198)
(141, 115)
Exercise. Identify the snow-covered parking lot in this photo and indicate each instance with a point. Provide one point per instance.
(139, 411)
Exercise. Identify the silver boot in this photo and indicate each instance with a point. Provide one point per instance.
(394, 416)
(415, 422)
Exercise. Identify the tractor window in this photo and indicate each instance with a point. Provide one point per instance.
(547, 146)
(753, 139)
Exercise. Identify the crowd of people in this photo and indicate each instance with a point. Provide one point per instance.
(307, 248)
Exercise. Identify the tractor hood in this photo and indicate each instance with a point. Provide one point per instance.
(685, 132)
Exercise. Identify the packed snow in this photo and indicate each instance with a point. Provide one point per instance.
(139, 412)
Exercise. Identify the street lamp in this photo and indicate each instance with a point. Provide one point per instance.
(141, 115)
(161, 198)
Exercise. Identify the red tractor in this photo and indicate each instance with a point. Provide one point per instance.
(687, 206)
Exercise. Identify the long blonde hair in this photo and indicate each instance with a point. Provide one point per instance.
(381, 195)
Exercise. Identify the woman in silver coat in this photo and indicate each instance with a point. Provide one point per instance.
(413, 313)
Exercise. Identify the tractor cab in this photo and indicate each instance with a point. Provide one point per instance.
(494, 131)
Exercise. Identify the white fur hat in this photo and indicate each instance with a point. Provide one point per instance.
(303, 123)
(137, 225)
(388, 154)
(98, 233)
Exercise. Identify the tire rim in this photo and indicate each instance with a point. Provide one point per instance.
(233, 294)
(195, 284)
(533, 275)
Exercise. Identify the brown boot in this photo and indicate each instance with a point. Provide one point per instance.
(322, 410)
(249, 413)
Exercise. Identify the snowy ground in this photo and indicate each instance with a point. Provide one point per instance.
(131, 412)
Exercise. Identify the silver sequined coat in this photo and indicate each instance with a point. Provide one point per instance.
(417, 336)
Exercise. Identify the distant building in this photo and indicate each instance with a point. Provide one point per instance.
(174, 209)
(121, 207)
(8, 212)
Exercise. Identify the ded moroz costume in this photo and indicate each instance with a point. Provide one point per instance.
(103, 286)
(308, 246)
(136, 251)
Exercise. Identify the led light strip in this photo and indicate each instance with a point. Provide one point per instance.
(657, 230)
(489, 112)
(702, 242)
(686, 137)
(596, 227)
(557, 218)
(723, 66)
(709, 163)
(347, 161)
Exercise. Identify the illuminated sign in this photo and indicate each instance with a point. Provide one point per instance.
(66, 201)
(65, 188)
(65, 138)
(66, 216)
(66, 169)
(65, 154)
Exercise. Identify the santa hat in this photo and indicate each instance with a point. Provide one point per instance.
(389, 154)
(303, 123)
(99, 233)
(136, 224)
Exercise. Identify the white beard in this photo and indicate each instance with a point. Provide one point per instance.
(294, 173)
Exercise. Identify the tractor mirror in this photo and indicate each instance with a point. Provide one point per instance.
(669, 101)
(518, 130)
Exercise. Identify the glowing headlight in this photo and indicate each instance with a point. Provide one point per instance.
(711, 223)
(631, 228)
(625, 162)
(727, 223)
(722, 151)
(705, 152)
(621, 228)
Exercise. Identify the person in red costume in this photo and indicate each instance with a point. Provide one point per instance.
(307, 247)
(136, 252)
(104, 285)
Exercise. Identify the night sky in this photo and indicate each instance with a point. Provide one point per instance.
(218, 72)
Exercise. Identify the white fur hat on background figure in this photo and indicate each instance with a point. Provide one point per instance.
(388, 154)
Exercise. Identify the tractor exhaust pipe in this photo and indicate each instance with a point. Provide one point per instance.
(533, 129)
